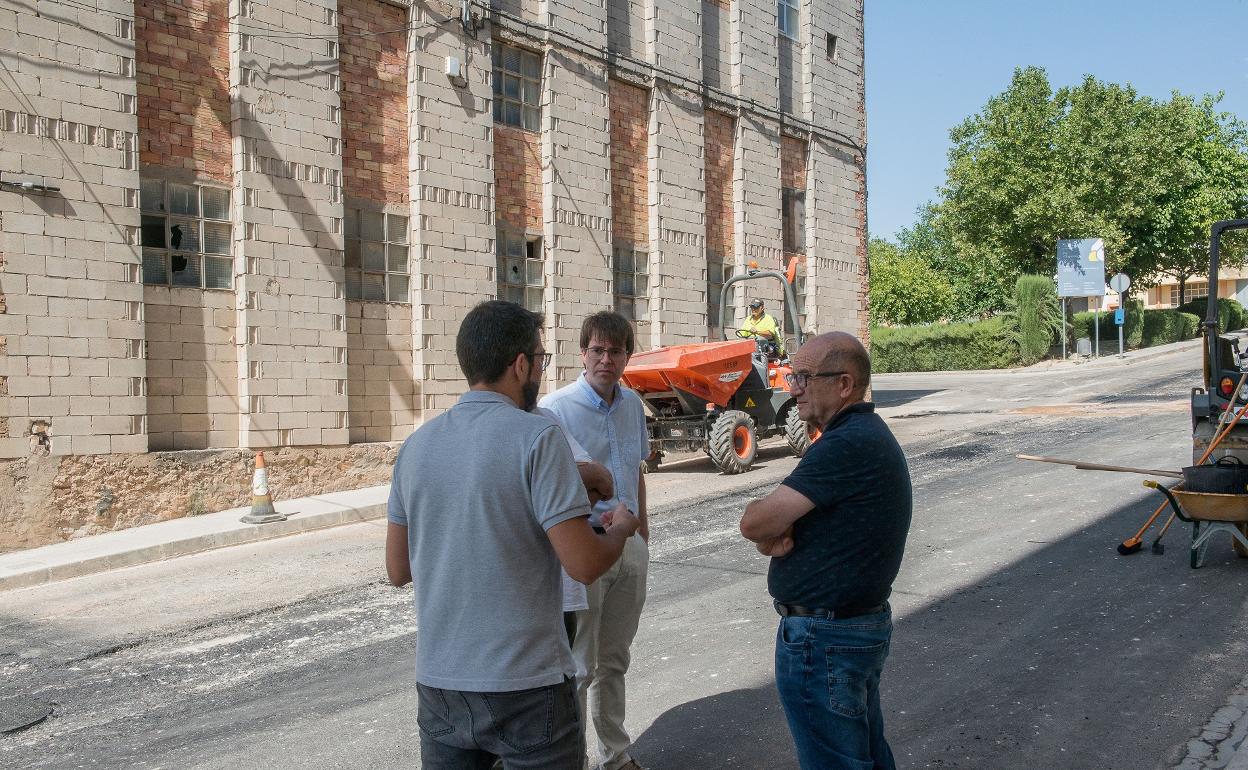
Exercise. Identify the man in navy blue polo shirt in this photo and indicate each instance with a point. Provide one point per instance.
(835, 529)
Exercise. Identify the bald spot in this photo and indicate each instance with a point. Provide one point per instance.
(835, 351)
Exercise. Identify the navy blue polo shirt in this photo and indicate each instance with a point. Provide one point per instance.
(848, 548)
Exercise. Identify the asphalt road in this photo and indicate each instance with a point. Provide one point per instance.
(1022, 639)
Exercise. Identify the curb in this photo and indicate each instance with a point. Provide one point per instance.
(181, 537)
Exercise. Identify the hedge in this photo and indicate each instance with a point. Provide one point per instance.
(1231, 314)
(943, 347)
(1151, 327)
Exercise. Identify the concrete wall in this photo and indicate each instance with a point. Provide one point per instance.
(298, 128)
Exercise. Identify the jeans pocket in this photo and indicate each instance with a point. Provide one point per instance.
(433, 715)
(794, 633)
(523, 719)
(852, 671)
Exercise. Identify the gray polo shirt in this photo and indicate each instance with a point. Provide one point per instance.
(477, 487)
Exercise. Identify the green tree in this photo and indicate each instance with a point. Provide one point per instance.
(904, 288)
(1094, 160)
(974, 291)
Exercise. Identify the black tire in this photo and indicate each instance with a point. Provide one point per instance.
(797, 432)
(733, 443)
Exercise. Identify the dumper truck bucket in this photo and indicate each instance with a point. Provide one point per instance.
(699, 374)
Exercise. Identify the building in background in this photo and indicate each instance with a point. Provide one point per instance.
(244, 224)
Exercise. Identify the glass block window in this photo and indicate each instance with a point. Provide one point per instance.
(793, 216)
(1191, 291)
(716, 274)
(377, 256)
(517, 87)
(186, 235)
(521, 270)
(787, 15)
(631, 269)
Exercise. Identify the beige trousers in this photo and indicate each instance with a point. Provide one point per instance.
(604, 634)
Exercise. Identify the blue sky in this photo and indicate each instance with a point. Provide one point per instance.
(931, 64)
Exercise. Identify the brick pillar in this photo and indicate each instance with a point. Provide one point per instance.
(452, 159)
(292, 339)
(382, 394)
(576, 180)
(73, 358)
(677, 219)
(756, 186)
(836, 211)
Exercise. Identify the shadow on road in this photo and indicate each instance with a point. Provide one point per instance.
(1069, 657)
(883, 397)
(739, 728)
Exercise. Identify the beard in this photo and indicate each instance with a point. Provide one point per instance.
(530, 391)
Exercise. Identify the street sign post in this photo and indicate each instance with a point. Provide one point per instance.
(1080, 272)
(1120, 283)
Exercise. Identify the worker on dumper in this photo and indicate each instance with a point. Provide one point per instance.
(761, 325)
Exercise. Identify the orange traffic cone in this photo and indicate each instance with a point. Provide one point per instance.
(262, 510)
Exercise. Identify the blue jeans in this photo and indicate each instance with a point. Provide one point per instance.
(828, 675)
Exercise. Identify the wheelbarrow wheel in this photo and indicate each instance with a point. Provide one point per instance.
(733, 442)
(1198, 554)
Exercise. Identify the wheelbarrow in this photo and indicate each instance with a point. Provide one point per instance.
(1208, 512)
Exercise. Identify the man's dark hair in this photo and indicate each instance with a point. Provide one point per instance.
(492, 335)
(610, 327)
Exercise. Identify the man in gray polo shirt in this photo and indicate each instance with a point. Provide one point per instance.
(485, 506)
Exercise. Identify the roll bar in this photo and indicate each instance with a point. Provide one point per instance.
(790, 300)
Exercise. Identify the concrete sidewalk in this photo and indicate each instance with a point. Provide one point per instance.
(179, 537)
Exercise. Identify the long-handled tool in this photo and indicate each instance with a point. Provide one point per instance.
(1136, 541)
(1084, 466)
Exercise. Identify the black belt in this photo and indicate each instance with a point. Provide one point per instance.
(798, 611)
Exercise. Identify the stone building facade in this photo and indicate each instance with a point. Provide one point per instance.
(230, 225)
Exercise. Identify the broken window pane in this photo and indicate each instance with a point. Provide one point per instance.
(184, 235)
(153, 232)
(186, 270)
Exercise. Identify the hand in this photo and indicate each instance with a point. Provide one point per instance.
(777, 547)
(597, 480)
(620, 519)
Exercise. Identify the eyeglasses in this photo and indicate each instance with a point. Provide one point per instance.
(802, 379)
(598, 352)
(540, 360)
